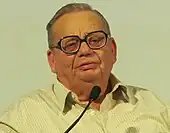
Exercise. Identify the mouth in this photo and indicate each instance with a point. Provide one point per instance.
(87, 66)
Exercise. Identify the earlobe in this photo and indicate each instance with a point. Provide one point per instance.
(114, 47)
(114, 50)
(49, 56)
(51, 60)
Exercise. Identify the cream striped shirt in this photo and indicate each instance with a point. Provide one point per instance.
(126, 109)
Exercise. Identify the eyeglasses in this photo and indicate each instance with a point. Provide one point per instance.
(71, 44)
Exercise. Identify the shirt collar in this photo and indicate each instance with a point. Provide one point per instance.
(127, 91)
(63, 94)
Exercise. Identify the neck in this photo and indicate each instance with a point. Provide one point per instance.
(82, 90)
(96, 104)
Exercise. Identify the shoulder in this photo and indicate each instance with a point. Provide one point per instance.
(148, 101)
(148, 98)
(146, 95)
(30, 107)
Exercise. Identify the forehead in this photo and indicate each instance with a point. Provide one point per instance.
(76, 23)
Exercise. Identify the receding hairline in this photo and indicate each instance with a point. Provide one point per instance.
(94, 19)
(73, 8)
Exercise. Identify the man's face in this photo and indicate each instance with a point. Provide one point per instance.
(97, 63)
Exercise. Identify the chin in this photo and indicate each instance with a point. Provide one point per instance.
(89, 75)
(88, 80)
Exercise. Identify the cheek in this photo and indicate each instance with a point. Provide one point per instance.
(64, 63)
(106, 58)
(67, 65)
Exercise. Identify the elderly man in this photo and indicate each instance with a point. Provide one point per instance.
(82, 53)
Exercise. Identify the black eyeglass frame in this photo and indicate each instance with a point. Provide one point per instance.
(81, 40)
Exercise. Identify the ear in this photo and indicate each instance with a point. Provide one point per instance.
(114, 50)
(51, 60)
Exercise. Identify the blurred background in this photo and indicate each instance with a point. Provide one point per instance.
(141, 29)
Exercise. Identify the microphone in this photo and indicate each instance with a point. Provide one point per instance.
(95, 92)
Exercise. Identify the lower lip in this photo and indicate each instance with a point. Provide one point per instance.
(88, 66)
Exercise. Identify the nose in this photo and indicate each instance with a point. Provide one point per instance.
(84, 50)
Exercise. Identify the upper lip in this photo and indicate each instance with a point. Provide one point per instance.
(86, 63)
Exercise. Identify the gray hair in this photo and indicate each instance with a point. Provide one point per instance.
(69, 8)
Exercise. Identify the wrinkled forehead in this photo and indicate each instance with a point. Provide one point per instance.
(77, 23)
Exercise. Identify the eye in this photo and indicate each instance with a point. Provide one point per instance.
(70, 44)
(95, 39)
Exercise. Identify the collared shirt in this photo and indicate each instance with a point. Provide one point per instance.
(126, 109)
